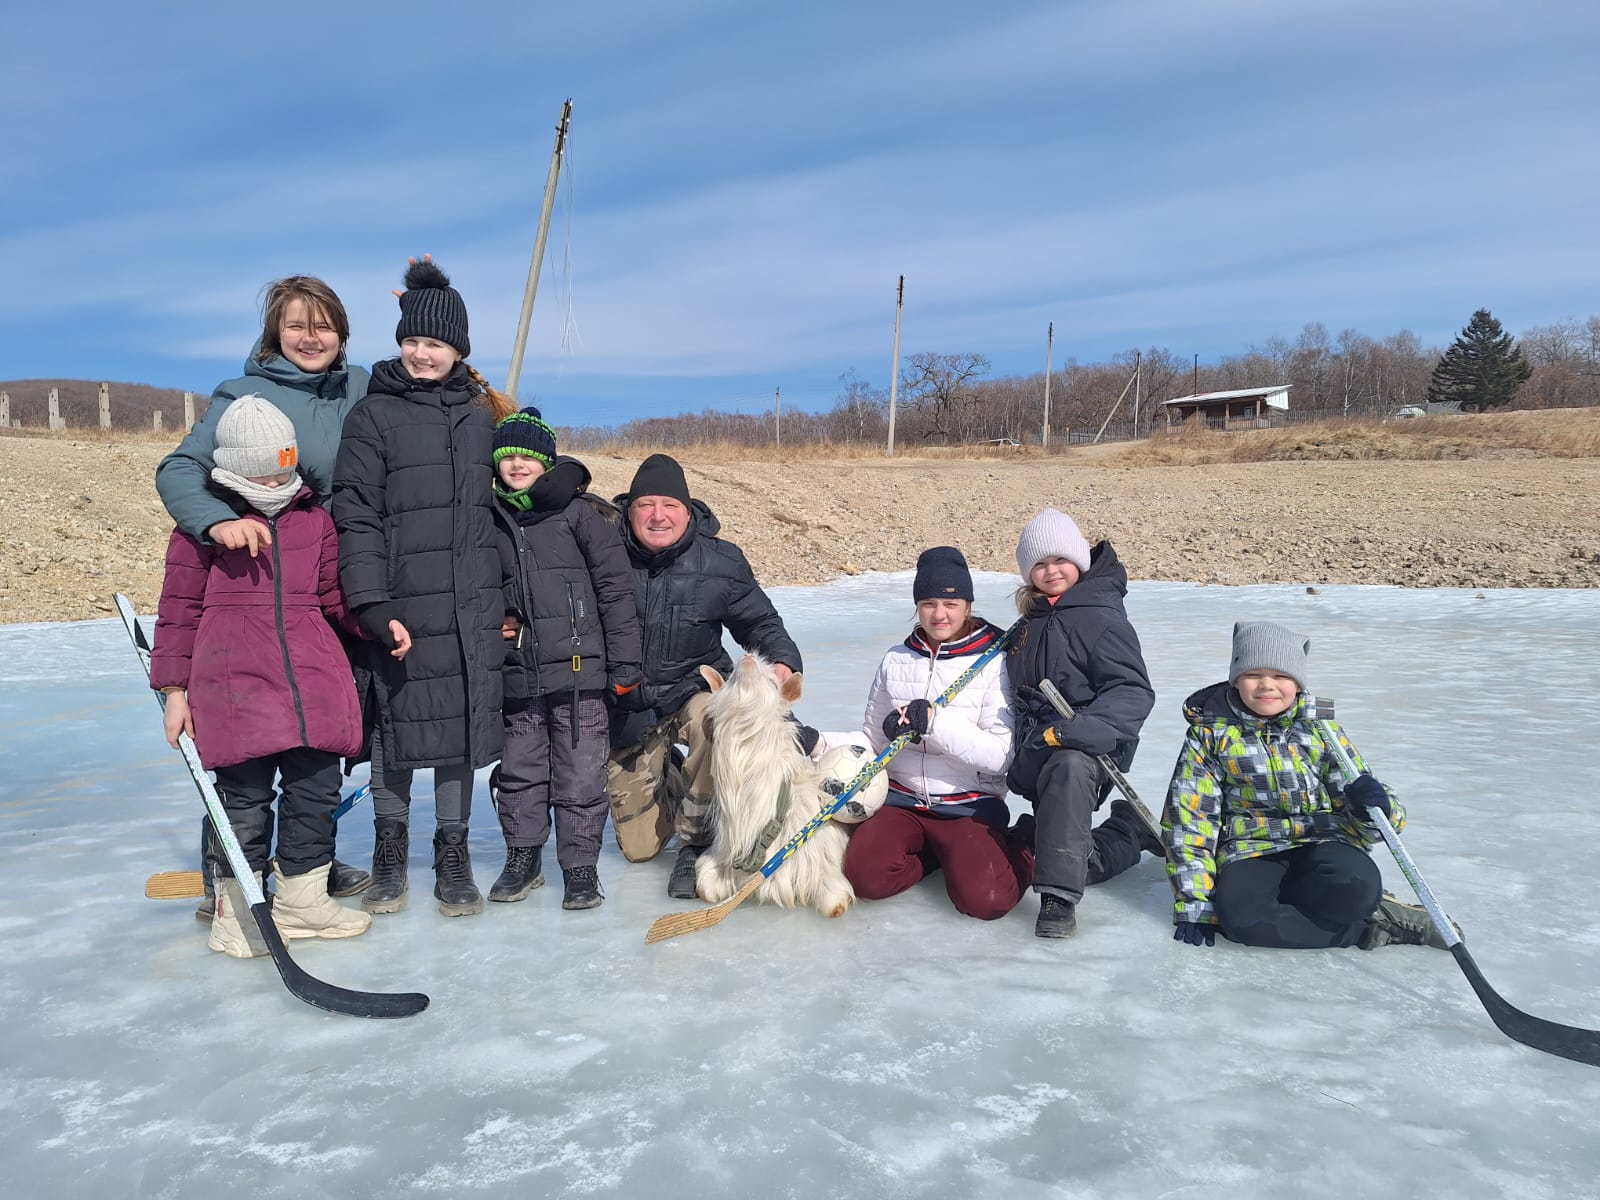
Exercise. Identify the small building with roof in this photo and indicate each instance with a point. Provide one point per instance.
(1241, 408)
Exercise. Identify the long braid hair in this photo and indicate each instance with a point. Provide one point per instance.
(499, 404)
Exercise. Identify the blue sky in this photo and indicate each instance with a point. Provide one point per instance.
(745, 182)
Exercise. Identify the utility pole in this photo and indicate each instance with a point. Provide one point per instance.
(538, 250)
(1196, 374)
(1138, 383)
(777, 416)
(894, 368)
(1049, 344)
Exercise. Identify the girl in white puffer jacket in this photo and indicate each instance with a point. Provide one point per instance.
(946, 805)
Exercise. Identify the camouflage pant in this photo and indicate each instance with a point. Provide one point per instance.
(653, 796)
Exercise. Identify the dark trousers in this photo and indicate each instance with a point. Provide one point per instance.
(896, 847)
(307, 793)
(542, 770)
(1308, 898)
(1070, 851)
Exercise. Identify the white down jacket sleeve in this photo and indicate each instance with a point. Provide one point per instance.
(968, 745)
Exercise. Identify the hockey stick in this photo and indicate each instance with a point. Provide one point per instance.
(191, 885)
(306, 987)
(1564, 1041)
(1050, 692)
(675, 924)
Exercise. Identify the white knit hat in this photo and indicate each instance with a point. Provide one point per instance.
(1051, 534)
(1264, 646)
(254, 438)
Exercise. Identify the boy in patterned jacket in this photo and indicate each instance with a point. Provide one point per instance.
(1266, 840)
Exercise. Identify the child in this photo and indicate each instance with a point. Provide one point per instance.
(419, 559)
(946, 804)
(575, 638)
(298, 364)
(254, 672)
(1266, 840)
(1077, 635)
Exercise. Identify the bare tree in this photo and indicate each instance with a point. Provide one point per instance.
(941, 388)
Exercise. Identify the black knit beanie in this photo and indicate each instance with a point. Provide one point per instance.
(660, 475)
(942, 574)
(431, 308)
(527, 433)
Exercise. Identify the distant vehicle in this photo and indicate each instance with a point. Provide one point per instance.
(1003, 442)
(1407, 411)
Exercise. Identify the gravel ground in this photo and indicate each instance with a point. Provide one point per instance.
(81, 519)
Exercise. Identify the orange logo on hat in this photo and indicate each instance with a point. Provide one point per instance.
(287, 457)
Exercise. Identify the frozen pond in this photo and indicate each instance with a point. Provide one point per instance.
(899, 1051)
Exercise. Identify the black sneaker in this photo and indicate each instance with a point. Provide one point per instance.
(520, 877)
(1058, 918)
(681, 885)
(1396, 923)
(345, 880)
(582, 886)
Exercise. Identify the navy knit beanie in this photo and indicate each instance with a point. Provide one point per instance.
(660, 475)
(527, 433)
(431, 308)
(942, 574)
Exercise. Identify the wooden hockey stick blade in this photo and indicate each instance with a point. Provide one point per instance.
(175, 885)
(1050, 692)
(679, 923)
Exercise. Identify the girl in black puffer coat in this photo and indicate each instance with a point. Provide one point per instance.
(575, 638)
(420, 565)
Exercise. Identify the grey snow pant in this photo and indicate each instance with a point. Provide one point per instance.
(1069, 850)
(391, 789)
(542, 770)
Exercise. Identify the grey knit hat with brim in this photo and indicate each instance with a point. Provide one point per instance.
(1264, 646)
(254, 439)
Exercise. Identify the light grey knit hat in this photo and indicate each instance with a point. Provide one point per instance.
(1263, 646)
(254, 438)
(1051, 534)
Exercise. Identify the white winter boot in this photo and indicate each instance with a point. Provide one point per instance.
(303, 908)
(233, 927)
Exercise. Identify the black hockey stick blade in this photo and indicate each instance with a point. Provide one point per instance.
(1564, 1041)
(329, 997)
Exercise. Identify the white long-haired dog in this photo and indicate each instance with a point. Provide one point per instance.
(755, 761)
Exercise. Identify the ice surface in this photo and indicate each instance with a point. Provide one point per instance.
(902, 1050)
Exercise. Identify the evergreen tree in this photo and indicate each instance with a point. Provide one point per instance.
(1482, 369)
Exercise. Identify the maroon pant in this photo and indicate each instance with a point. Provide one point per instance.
(895, 847)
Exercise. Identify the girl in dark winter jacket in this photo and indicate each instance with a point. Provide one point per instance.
(420, 564)
(298, 364)
(574, 637)
(1076, 634)
(253, 671)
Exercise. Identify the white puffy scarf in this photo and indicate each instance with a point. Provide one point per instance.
(268, 501)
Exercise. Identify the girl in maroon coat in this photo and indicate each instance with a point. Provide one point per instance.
(254, 672)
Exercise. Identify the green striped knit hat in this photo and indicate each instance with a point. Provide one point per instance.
(527, 433)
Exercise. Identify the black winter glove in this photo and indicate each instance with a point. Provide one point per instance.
(808, 738)
(374, 620)
(1194, 933)
(914, 719)
(1364, 792)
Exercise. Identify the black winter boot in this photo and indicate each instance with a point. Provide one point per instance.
(521, 875)
(681, 885)
(453, 887)
(390, 851)
(582, 888)
(345, 880)
(1058, 918)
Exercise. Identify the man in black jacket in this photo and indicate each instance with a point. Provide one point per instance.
(689, 585)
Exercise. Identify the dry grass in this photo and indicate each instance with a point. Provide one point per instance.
(1544, 433)
(726, 451)
(93, 433)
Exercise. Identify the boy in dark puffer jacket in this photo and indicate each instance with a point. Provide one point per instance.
(573, 637)
(253, 671)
